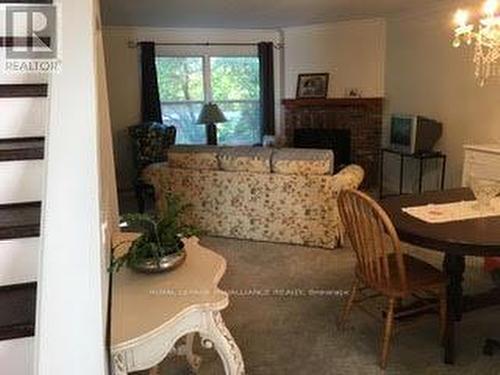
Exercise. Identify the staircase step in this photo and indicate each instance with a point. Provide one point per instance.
(23, 181)
(27, 90)
(20, 220)
(17, 315)
(11, 41)
(17, 356)
(26, 2)
(21, 149)
(23, 117)
(19, 261)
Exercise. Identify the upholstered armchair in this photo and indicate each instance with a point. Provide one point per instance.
(150, 143)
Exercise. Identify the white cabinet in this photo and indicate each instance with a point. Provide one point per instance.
(482, 161)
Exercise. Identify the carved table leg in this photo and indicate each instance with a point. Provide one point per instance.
(193, 359)
(454, 267)
(219, 337)
(119, 365)
(155, 371)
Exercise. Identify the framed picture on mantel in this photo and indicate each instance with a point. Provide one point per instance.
(312, 85)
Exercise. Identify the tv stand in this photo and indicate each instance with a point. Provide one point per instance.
(421, 157)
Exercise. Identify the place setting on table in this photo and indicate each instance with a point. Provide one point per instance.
(459, 223)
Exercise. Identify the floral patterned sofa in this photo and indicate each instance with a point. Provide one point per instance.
(255, 193)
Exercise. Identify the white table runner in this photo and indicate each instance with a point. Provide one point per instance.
(456, 211)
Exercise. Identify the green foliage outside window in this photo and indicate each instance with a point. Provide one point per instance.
(235, 78)
(234, 86)
(180, 78)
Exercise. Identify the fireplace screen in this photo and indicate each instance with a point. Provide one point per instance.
(337, 140)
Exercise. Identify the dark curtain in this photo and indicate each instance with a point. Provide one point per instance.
(151, 106)
(266, 58)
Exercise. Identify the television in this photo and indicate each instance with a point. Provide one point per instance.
(414, 134)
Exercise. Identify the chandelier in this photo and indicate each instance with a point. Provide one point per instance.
(485, 35)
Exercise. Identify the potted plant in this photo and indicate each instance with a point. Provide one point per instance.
(159, 248)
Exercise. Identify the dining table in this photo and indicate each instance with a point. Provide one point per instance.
(457, 240)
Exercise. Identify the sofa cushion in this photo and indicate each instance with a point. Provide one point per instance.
(245, 159)
(193, 157)
(302, 161)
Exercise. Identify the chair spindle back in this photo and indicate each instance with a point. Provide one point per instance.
(374, 240)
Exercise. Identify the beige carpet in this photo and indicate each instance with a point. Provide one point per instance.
(297, 335)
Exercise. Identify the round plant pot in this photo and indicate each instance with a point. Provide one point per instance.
(165, 264)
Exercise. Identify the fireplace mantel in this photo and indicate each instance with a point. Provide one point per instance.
(334, 102)
(361, 116)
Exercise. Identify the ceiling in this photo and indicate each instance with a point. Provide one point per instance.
(252, 14)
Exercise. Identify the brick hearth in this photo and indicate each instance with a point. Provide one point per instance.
(363, 117)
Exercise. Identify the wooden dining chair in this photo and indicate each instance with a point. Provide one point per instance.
(384, 268)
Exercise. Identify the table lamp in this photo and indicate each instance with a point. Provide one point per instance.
(211, 115)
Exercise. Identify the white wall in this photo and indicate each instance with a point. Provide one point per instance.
(427, 76)
(353, 52)
(72, 288)
(124, 76)
(107, 172)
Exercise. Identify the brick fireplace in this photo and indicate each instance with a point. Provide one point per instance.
(361, 118)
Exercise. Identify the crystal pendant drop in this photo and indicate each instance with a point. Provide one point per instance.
(484, 35)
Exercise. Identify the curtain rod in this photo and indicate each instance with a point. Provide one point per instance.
(133, 44)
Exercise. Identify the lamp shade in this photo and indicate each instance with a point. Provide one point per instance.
(211, 114)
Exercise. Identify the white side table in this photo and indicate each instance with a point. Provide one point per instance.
(150, 313)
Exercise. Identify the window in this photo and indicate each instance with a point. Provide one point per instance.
(180, 81)
(186, 83)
